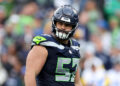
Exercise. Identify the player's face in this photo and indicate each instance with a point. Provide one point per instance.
(64, 26)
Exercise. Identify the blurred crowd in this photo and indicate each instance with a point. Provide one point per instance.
(98, 33)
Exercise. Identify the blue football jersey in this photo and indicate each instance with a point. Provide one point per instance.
(61, 63)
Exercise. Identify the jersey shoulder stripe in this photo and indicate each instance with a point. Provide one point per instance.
(49, 41)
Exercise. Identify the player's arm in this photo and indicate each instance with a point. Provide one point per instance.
(77, 78)
(34, 64)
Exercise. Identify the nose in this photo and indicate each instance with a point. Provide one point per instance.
(63, 27)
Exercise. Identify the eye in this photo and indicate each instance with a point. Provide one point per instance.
(68, 25)
(60, 23)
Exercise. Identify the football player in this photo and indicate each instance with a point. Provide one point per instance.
(54, 59)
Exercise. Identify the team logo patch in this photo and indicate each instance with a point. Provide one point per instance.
(38, 39)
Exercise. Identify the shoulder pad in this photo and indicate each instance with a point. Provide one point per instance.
(45, 40)
(75, 44)
(37, 40)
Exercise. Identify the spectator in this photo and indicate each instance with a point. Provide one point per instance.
(93, 68)
(3, 75)
(114, 73)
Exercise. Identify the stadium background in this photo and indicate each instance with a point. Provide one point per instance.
(98, 33)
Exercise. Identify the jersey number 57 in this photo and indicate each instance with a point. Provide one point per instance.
(64, 74)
